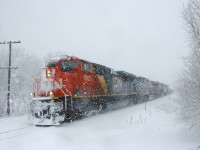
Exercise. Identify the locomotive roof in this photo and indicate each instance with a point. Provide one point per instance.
(140, 77)
(61, 57)
(57, 58)
(126, 75)
(97, 65)
(101, 66)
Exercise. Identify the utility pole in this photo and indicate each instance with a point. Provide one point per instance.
(9, 72)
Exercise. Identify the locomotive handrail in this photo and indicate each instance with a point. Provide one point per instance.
(65, 94)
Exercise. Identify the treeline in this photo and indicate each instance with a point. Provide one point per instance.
(28, 67)
(188, 83)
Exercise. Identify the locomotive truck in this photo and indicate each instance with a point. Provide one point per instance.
(69, 87)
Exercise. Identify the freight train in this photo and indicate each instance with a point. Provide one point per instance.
(70, 87)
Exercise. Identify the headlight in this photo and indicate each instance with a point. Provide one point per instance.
(48, 73)
(51, 93)
(32, 94)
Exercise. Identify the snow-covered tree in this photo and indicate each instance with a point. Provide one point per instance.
(3, 82)
(21, 81)
(188, 84)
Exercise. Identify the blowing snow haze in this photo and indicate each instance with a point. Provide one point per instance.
(144, 37)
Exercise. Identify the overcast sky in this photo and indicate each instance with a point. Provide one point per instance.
(143, 37)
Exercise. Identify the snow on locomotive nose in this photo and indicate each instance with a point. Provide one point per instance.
(45, 111)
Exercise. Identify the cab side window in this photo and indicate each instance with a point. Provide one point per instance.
(87, 67)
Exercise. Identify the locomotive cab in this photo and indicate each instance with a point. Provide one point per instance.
(62, 74)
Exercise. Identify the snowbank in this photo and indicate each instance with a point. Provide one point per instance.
(128, 128)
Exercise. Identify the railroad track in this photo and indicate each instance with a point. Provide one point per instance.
(14, 130)
(18, 132)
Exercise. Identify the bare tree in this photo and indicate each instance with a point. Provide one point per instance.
(21, 80)
(3, 81)
(188, 83)
(191, 16)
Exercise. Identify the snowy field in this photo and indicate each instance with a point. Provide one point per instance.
(126, 129)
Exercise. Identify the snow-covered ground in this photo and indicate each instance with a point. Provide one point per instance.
(125, 129)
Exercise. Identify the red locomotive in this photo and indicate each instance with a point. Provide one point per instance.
(70, 87)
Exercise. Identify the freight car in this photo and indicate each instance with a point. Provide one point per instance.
(70, 87)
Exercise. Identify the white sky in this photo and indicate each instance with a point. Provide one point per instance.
(143, 37)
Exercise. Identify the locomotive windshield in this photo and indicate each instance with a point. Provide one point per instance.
(51, 64)
(68, 65)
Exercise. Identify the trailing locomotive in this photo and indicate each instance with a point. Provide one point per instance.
(70, 87)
